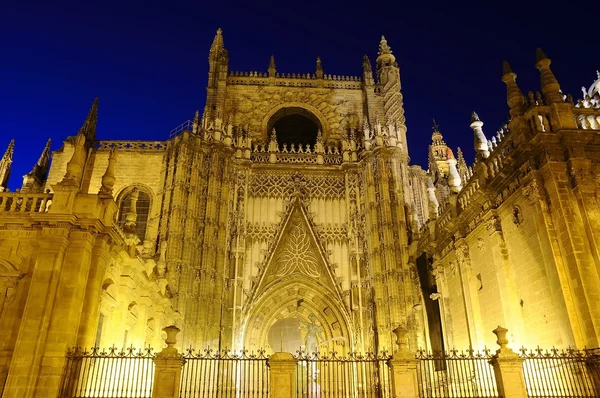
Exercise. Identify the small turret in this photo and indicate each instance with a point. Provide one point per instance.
(550, 86)
(433, 202)
(480, 143)
(35, 179)
(196, 122)
(319, 69)
(514, 96)
(367, 72)
(76, 164)
(272, 69)
(5, 165)
(461, 165)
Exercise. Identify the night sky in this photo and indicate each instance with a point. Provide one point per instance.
(147, 61)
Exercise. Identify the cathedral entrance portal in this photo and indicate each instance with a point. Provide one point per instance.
(296, 303)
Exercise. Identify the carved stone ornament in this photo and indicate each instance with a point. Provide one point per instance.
(493, 224)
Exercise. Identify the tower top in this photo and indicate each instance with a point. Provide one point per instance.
(385, 52)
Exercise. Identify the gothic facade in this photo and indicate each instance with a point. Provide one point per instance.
(290, 200)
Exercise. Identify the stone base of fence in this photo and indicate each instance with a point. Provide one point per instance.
(508, 368)
(167, 368)
(282, 366)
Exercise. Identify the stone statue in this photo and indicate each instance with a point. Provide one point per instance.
(314, 334)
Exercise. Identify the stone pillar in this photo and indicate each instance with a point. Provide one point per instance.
(90, 315)
(167, 371)
(404, 368)
(282, 367)
(508, 368)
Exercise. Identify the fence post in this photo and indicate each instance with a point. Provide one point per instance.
(508, 368)
(282, 368)
(404, 367)
(167, 367)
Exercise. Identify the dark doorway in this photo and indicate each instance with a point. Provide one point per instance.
(294, 126)
(434, 319)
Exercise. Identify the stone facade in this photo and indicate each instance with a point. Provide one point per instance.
(240, 231)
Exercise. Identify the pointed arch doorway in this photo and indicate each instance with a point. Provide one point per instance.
(296, 298)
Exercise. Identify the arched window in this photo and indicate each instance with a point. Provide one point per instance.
(142, 209)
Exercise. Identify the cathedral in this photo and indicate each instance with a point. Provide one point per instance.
(287, 216)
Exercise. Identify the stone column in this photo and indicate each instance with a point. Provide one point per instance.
(282, 367)
(508, 368)
(404, 368)
(167, 371)
(90, 315)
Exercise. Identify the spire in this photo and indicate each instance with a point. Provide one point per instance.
(367, 71)
(436, 137)
(514, 96)
(550, 86)
(108, 179)
(480, 142)
(217, 43)
(272, 69)
(5, 164)
(89, 126)
(34, 180)
(319, 69)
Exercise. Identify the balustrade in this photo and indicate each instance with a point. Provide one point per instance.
(25, 203)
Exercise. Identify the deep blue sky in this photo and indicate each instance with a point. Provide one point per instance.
(147, 61)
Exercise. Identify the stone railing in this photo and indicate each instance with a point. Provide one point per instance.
(301, 154)
(294, 80)
(24, 203)
(587, 118)
(131, 145)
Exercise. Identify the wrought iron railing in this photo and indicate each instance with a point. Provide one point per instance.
(213, 374)
(352, 375)
(463, 374)
(111, 373)
(561, 373)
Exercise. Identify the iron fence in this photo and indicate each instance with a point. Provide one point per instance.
(352, 375)
(561, 373)
(112, 373)
(461, 374)
(214, 374)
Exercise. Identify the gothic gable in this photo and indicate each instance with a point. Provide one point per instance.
(296, 253)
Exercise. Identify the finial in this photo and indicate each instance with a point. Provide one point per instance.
(366, 62)
(383, 47)
(474, 117)
(514, 96)
(108, 179)
(540, 55)
(506, 68)
(217, 41)
(75, 165)
(272, 69)
(436, 128)
(549, 83)
(319, 69)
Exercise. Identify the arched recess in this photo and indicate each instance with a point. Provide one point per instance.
(298, 296)
(143, 207)
(306, 109)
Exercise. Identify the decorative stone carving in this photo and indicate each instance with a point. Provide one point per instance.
(493, 224)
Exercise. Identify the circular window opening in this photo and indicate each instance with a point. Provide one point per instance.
(294, 126)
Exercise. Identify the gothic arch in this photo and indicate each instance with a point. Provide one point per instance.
(309, 108)
(145, 210)
(298, 296)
